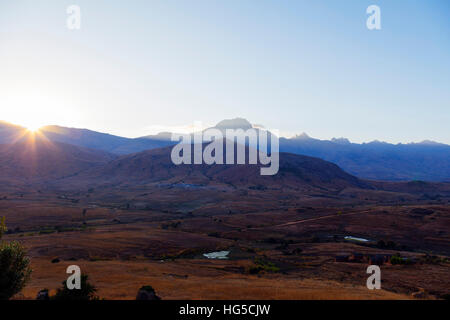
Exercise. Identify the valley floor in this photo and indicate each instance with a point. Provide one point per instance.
(291, 252)
(196, 279)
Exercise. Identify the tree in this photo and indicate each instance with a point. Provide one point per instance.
(87, 291)
(15, 269)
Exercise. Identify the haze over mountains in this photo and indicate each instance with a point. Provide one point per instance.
(427, 161)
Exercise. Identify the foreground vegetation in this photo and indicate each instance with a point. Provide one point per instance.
(15, 268)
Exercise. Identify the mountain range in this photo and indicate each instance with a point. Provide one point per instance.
(427, 161)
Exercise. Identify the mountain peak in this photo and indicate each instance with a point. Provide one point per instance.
(377, 142)
(236, 123)
(430, 143)
(341, 140)
(302, 136)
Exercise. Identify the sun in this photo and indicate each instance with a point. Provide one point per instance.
(33, 128)
(32, 125)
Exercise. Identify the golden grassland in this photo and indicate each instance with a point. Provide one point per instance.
(122, 249)
(193, 279)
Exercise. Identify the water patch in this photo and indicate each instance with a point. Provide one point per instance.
(222, 255)
(356, 239)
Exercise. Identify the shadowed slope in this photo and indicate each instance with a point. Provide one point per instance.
(35, 159)
(155, 166)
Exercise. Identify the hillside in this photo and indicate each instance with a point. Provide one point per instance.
(10, 133)
(102, 141)
(33, 159)
(155, 166)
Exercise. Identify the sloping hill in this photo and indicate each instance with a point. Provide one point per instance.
(10, 133)
(102, 141)
(155, 166)
(34, 159)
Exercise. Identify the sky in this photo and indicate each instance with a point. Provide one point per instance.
(139, 67)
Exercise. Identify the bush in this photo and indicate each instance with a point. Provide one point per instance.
(87, 291)
(147, 293)
(432, 259)
(15, 269)
(397, 259)
(262, 265)
(254, 269)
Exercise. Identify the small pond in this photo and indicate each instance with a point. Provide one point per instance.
(356, 239)
(217, 255)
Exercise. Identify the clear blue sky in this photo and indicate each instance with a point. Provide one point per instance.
(313, 66)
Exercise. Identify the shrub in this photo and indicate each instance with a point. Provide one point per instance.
(87, 291)
(432, 259)
(254, 269)
(15, 269)
(263, 265)
(147, 293)
(397, 259)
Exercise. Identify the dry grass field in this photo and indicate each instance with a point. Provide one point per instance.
(293, 249)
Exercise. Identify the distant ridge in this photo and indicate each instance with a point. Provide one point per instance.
(35, 159)
(426, 160)
(102, 141)
(297, 172)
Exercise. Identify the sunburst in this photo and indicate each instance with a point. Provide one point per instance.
(33, 129)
